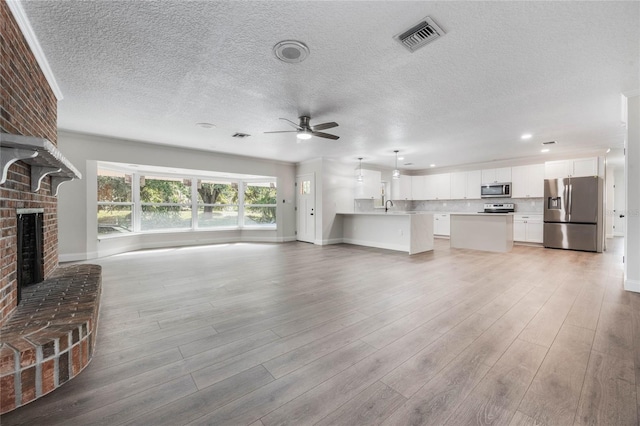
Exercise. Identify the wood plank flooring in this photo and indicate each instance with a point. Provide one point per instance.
(297, 334)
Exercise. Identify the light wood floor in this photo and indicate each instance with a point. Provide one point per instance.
(266, 334)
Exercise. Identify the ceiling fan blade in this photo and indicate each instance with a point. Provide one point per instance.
(325, 135)
(283, 131)
(324, 126)
(295, 125)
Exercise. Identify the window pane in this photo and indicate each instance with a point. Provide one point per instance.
(211, 216)
(306, 187)
(165, 190)
(217, 192)
(260, 193)
(114, 219)
(114, 187)
(259, 216)
(165, 217)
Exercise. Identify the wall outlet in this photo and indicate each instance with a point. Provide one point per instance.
(444, 204)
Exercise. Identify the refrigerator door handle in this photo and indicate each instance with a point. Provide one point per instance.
(569, 199)
(565, 205)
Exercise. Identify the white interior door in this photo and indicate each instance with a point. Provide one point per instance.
(619, 203)
(306, 208)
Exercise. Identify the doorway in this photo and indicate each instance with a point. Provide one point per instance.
(306, 208)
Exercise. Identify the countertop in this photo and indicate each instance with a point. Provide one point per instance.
(389, 213)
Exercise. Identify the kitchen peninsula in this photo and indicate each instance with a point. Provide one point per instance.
(482, 231)
(409, 232)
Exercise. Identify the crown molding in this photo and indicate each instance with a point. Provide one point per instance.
(27, 31)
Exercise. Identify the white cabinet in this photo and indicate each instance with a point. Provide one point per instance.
(442, 224)
(418, 188)
(430, 186)
(502, 174)
(370, 187)
(401, 188)
(527, 181)
(585, 167)
(465, 185)
(442, 184)
(528, 228)
(571, 168)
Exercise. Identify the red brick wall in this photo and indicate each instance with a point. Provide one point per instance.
(28, 107)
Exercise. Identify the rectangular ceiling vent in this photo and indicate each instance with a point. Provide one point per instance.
(549, 143)
(421, 34)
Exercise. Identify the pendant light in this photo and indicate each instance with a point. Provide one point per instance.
(396, 172)
(360, 178)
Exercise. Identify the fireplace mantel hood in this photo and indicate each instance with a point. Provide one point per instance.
(41, 154)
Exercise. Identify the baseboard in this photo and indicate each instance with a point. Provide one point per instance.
(76, 257)
(332, 241)
(632, 285)
(375, 244)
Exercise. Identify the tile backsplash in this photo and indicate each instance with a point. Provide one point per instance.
(522, 205)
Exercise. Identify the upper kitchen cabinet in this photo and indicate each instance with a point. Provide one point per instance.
(419, 188)
(466, 185)
(571, 168)
(401, 188)
(502, 174)
(439, 186)
(370, 187)
(527, 181)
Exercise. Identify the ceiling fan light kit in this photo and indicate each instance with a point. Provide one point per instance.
(304, 130)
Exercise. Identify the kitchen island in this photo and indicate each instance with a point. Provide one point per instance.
(482, 231)
(408, 232)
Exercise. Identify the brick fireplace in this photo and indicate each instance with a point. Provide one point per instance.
(48, 315)
(28, 106)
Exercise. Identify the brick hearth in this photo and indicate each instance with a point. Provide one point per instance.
(50, 337)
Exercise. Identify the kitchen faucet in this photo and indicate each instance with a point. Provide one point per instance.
(386, 205)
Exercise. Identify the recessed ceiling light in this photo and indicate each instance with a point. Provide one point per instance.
(400, 158)
(432, 165)
(206, 125)
(526, 136)
(544, 150)
(291, 51)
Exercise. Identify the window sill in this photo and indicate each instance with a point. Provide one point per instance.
(184, 231)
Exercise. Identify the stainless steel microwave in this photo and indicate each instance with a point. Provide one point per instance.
(496, 190)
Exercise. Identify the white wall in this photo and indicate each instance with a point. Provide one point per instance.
(632, 169)
(337, 193)
(334, 193)
(77, 211)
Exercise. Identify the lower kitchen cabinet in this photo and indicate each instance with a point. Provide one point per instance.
(441, 224)
(528, 228)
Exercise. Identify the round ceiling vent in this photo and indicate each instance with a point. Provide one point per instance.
(291, 51)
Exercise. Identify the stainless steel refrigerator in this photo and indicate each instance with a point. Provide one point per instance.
(573, 213)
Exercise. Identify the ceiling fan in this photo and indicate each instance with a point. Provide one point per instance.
(304, 130)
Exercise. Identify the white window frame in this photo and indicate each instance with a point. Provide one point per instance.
(137, 204)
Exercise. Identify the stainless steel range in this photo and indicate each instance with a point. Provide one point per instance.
(499, 208)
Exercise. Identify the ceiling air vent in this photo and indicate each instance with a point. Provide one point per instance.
(549, 143)
(240, 135)
(424, 32)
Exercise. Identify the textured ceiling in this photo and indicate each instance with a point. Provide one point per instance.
(151, 70)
